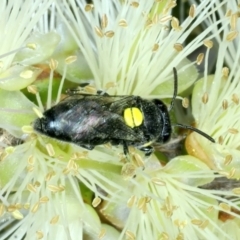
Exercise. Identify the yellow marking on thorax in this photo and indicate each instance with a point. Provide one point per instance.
(133, 117)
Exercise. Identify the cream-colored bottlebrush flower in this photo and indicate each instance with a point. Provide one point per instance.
(166, 203)
(216, 101)
(34, 201)
(131, 47)
(15, 74)
(20, 51)
(130, 50)
(56, 190)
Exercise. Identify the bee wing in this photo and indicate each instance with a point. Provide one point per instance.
(97, 119)
(115, 128)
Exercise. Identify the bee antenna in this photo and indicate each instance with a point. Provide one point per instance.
(175, 90)
(195, 130)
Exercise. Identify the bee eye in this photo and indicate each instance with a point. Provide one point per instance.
(133, 117)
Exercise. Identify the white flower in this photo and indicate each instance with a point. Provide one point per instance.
(216, 102)
(18, 19)
(166, 203)
(129, 46)
(40, 188)
(53, 189)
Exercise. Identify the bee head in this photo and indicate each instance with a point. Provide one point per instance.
(164, 118)
(41, 125)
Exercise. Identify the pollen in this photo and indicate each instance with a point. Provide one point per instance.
(35, 207)
(200, 58)
(44, 199)
(55, 189)
(168, 208)
(49, 176)
(197, 222)
(99, 32)
(185, 102)
(164, 236)
(233, 131)
(90, 89)
(89, 7)
(205, 98)
(228, 13)
(39, 235)
(17, 215)
(30, 168)
(134, 4)
(32, 46)
(231, 35)
(204, 224)
(158, 181)
(9, 150)
(192, 11)
(11, 208)
(130, 235)
(31, 188)
(224, 104)
(109, 34)
(128, 171)
(26, 206)
(165, 19)
(32, 89)
(175, 24)
(180, 224)
(133, 117)
(233, 21)
(141, 203)
(236, 191)
(131, 201)
(104, 21)
(200, 223)
(235, 98)
(102, 233)
(54, 220)
(70, 59)
(208, 43)
(225, 207)
(53, 64)
(210, 209)
(27, 129)
(228, 160)
(122, 23)
(178, 47)
(96, 201)
(220, 140)
(2, 210)
(155, 47)
(225, 72)
(26, 74)
(137, 159)
(31, 160)
(50, 149)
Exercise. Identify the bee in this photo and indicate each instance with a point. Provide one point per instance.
(90, 120)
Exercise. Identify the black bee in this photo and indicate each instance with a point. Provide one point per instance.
(90, 120)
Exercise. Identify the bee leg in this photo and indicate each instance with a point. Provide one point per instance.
(102, 93)
(125, 149)
(89, 147)
(147, 150)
